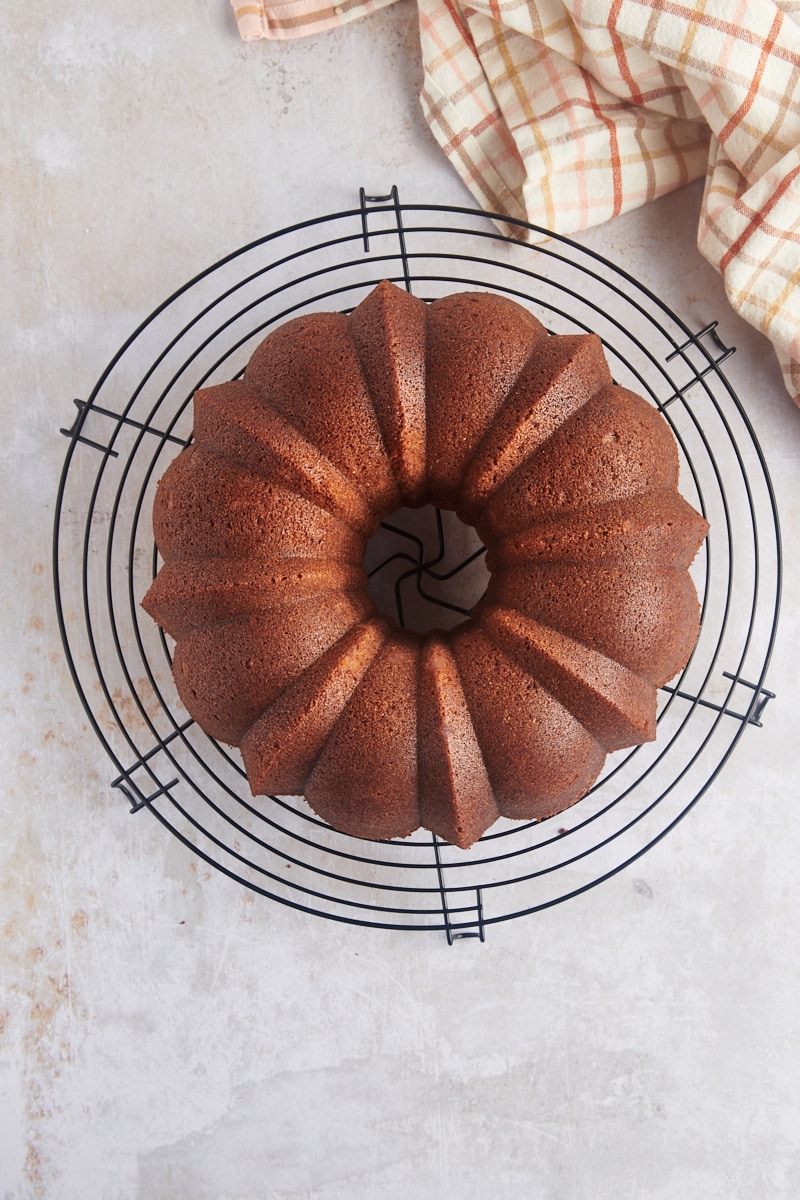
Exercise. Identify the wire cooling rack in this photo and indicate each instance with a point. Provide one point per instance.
(139, 416)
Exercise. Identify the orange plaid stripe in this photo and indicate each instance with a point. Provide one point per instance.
(568, 112)
(297, 18)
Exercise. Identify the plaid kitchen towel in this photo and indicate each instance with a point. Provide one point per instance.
(566, 113)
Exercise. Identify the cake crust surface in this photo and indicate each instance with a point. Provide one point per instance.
(468, 403)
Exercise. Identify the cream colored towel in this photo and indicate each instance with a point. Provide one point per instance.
(568, 112)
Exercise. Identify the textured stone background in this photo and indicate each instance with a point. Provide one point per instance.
(165, 1035)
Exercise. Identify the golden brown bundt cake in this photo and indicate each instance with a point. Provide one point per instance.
(467, 403)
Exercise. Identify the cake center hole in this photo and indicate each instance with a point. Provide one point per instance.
(426, 568)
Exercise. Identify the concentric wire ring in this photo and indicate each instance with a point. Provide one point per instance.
(138, 417)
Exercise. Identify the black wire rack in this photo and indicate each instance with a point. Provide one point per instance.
(139, 416)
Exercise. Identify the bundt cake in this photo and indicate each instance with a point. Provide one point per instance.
(469, 404)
